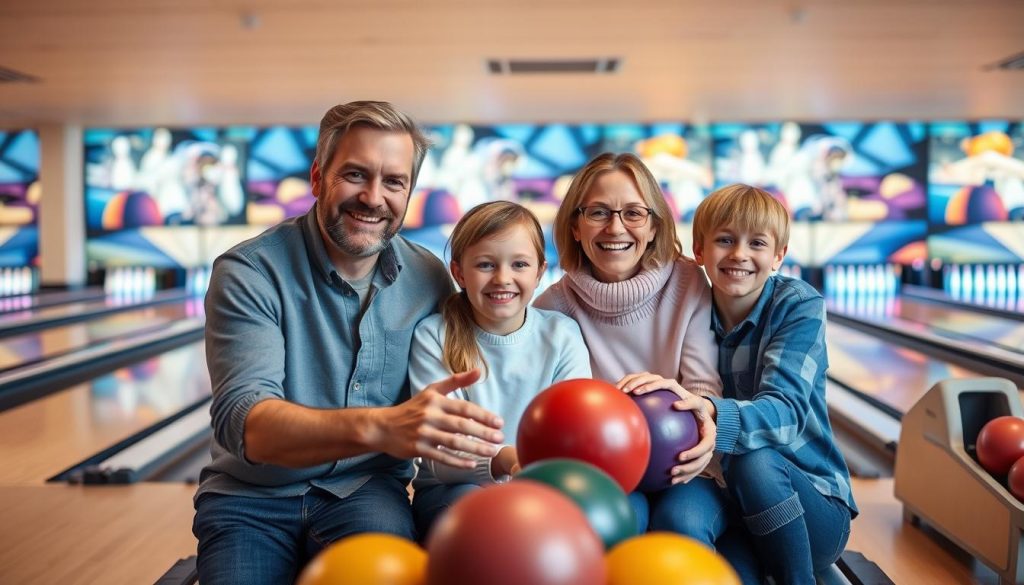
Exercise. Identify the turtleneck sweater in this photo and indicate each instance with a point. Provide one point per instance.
(658, 321)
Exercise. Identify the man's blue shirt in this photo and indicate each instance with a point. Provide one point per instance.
(281, 323)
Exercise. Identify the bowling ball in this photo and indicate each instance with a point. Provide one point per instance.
(131, 209)
(367, 559)
(512, 534)
(1015, 479)
(1000, 444)
(589, 420)
(602, 500)
(672, 432)
(657, 558)
(431, 208)
(975, 205)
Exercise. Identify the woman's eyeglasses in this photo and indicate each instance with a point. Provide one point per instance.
(634, 216)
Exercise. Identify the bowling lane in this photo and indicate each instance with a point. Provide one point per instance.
(1005, 305)
(889, 374)
(20, 350)
(961, 322)
(49, 299)
(46, 436)
(948, 321)
(15, 322)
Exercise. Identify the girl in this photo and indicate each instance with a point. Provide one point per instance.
(497, 261)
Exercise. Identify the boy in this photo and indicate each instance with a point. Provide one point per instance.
(787, 482)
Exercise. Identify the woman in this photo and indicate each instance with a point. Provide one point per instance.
(644, 309)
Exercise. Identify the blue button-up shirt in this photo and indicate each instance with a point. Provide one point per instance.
(282, 323)
(773, 367)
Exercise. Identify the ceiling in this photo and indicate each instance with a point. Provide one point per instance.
(132, 62)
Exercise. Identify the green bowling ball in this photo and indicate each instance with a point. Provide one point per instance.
(599, 496)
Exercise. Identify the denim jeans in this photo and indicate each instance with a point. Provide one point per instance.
(248, 540)
(642, 509)
(431, 501)
(765, 519)
(703, 511)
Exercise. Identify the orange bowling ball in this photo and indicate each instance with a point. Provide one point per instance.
(1000, 444)
(367, 559)
(657, 558)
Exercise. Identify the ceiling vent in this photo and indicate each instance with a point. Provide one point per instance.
(531, 66)
(1013, 63)
(12, 76)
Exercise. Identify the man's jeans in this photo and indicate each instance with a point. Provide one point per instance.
(268, 540)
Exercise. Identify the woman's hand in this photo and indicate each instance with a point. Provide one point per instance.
(645, 382)
(692, 461)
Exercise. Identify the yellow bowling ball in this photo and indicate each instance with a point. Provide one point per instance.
(367, 559)
(657, 558)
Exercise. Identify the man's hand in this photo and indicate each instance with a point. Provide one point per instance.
(430, 419)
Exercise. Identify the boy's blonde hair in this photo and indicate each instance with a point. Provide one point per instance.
(664, 249)
(461, 352)
(743, 208)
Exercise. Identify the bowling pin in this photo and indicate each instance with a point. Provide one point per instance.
(979, 283)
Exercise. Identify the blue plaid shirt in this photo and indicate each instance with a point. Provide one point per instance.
(773, 367)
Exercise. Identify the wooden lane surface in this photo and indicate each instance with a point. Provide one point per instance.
(46, 436)
(906, 553)
(36, 345)
(133, 534)
(85, 535)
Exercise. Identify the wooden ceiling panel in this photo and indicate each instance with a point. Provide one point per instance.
(283, 61)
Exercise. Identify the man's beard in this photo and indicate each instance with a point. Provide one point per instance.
(347, 242)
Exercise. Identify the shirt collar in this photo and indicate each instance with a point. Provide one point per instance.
(752, 318)
(388, 263)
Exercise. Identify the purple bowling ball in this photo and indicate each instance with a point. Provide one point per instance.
(672, 432)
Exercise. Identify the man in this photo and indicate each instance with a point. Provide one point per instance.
(307, 341)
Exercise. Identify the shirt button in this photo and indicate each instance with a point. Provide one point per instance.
(357, 386)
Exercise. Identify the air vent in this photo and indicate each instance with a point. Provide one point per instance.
(12, 76)
(1014, 63)
(531, 66)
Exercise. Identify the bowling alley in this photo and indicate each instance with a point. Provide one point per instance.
(542, 293)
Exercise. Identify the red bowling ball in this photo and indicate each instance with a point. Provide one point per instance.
(672, 432)
(1015, 479)
(1000, 444)
(518, 533)
(589, 420)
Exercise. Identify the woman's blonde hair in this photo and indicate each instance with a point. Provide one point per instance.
(665, 246)
(744, 208)
(461, 351)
